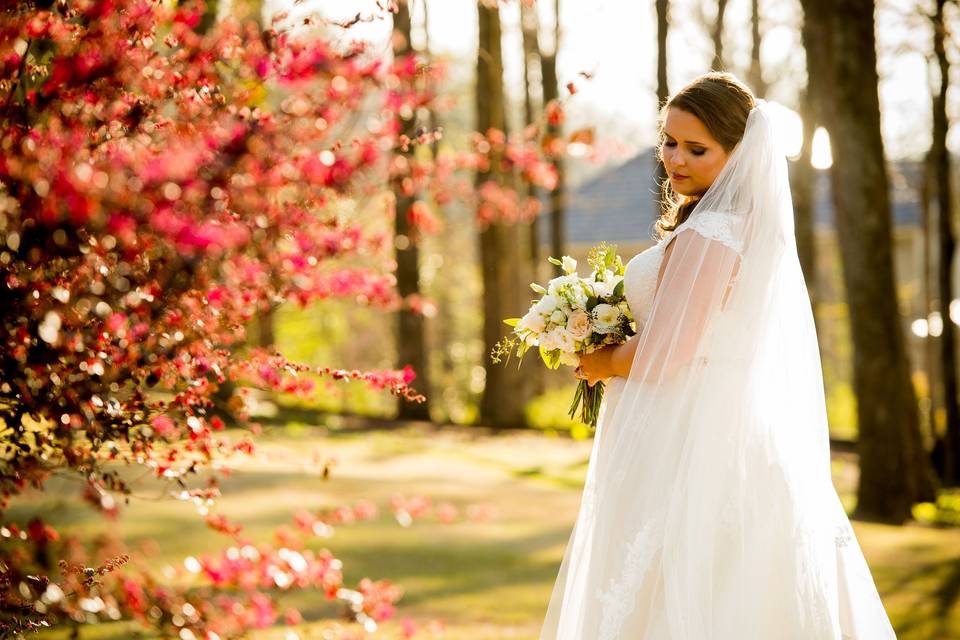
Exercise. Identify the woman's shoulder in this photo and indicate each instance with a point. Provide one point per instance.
(716, 225)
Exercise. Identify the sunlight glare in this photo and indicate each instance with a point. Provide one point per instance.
(789, 128)
(821, 157)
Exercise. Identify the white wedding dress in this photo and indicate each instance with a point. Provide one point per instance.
(708, 511)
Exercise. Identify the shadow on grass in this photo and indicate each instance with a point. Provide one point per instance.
(935, 590)
(437, 572)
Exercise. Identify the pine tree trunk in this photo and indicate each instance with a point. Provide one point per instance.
(940, 163)
(716, 34)
(894, 470)
(503, 398)
(803, 178)
(755, 75)
(930, 343)
(532, 104)
(663, 90)
(551, 91)
(411, 347)
(802, 183)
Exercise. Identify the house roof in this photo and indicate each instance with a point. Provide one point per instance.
(619, 205)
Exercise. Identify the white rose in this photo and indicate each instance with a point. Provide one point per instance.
(605, 318)
(558, 317)
(569, 265)
(578, 324)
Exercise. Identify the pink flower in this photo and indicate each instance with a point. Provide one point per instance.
(163, 426)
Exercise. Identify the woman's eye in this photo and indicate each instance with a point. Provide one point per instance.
(696, 152)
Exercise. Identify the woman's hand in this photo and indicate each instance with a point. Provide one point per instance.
(611, 360)
(596, 366)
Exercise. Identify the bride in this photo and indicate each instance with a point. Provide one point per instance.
(708, 511)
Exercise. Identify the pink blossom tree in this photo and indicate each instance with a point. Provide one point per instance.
(160, 187)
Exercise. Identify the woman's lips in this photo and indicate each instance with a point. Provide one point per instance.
(678, 176)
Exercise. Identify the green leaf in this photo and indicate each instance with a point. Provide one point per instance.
(536, 287)
(618, 290)
(544, 355)
(554, 359)
(553, 260)
(511, 321)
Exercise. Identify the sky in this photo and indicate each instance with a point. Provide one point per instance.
(615, 40)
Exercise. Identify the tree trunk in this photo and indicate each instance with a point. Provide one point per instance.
(209, 17)
(940, 164)
(803, 177)
(410, 324)
(532, 104)
(894, 471)
(266, 334)
(755, 75)
(663, 90)
(716, 34)
(551, 91)
(802, 185)
(930, 343)
(503, 398)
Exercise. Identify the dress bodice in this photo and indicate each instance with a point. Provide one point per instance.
(640, 281)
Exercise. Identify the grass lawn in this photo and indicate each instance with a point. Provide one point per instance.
(487, 580)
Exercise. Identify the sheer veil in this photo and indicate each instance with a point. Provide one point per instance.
(708, 511)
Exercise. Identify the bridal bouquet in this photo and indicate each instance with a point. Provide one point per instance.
(575, 316)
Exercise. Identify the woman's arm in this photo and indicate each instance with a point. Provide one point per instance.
(616, 360)
(695, 288)
(677, 322)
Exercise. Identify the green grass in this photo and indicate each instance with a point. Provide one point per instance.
(486, 580)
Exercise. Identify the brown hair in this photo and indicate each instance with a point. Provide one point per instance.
(722, 102)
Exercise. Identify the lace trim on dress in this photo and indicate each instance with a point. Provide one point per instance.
(716, 225)
(843, 535)
(618, 600)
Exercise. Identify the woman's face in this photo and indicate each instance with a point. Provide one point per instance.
(691, 156)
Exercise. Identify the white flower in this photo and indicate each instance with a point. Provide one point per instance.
(578, 324)
(605, 288)
(560, 282)
(548, 341)
(602, 289)
(532, 321)
(569, 265)
(558, 338)
(565, 341)
(605, 275)
(605, 318)
(569, 359)
(546, 305)
(558, 317)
